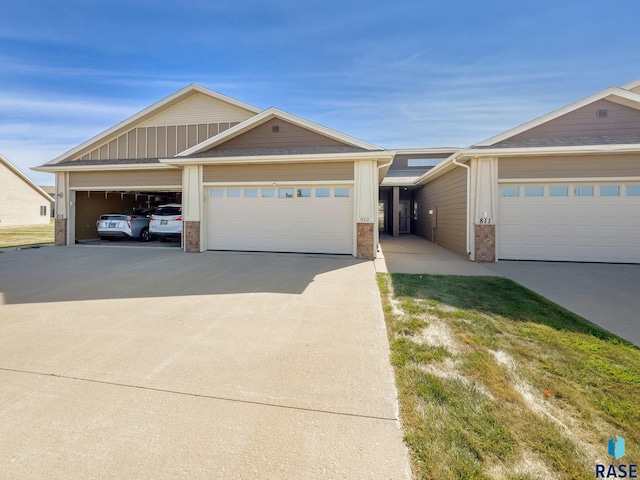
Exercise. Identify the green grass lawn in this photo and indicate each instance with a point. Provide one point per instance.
(494, 381)
(29, 235)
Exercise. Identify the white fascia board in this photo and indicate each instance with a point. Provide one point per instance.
(24, 178)
(265, 116)
(192, 88)
(608, 94)
(631, 85)
(565, 150)
(425, 151)
(102, 168)
(380, 156)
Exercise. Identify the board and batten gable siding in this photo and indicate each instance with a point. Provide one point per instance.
(287, 135)
(156, 142)
(115, 179)
(620, 120)
(447, 196)
(292, 172)
(20, 203)
(596, 166)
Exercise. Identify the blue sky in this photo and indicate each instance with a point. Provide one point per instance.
(398, 74)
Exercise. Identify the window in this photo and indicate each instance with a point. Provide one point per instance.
(341, 192)
(415, 210)
(217, 192)
(250, 192)
(323, 192)
(583, 191)
(510, 192)
(534, 191)
(268, 192)
(633, 190)
(558, 191)
(424, 162)
(43, 210)
(609, 190)
(285, 193)
(304, 192)
(233, 193)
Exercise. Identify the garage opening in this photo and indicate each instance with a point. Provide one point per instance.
(90, 205)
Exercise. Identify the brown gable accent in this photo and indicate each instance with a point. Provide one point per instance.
(601, 118)
(277, 133)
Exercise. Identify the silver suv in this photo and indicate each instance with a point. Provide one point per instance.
(113, 226)
(166, 222)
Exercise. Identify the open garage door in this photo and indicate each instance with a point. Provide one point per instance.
(594, 222)
(300, 218)
(90, 205)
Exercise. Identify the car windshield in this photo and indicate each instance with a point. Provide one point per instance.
(167, 211)
(112, 216)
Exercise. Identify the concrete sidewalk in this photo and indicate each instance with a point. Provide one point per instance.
(133, 363)
(412, 254)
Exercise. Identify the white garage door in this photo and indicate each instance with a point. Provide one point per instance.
(586, 222)
(300, 218)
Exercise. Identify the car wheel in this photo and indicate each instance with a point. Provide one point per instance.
(144, 235)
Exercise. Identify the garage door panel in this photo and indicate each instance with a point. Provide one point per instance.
(601, 229)
(298, 224)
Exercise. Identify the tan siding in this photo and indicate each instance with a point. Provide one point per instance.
(213, 129)
(113, 148)
(161, 141)
(202, 132)
(182, 138)
(126, 178)
(151, 142)
(19, 202)
(636, 89)
(620, 120)
(132, 144)
(199, 108)
(103, 153)
(289, 135)
(192, 135)
(570, 166)
(280, 172)
(95, 155)
(171, 141)
(142, 143)
(122, 146)
(447, 195)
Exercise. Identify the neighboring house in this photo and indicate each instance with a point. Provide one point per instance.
(51, 191)
(22, 202)
(565, 186)
(248, 179)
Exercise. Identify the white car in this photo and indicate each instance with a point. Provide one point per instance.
(166, 222)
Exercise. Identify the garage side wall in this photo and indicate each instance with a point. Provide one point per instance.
(446, 197)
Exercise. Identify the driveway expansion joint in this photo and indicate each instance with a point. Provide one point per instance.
(199, 395)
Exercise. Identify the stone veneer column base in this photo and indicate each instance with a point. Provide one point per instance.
(485, 243)
(192, 236)
(365, 247)
(60, 232)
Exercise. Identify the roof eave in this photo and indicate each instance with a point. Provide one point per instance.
(380, 156)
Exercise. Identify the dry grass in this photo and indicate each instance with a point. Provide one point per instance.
(29, 235)
(494, 381)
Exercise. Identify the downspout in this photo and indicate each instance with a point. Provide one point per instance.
(455, 162)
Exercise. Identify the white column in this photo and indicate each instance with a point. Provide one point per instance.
(365, 175)
(192, 199)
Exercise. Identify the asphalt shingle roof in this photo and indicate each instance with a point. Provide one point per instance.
(576, 141)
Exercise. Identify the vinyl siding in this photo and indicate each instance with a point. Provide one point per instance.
(620, 120)
(636, 89)
(279, 172)
(19, 202)
(288, 135)
(199, 108)
(447, 195)
(126, 178)
(570, 166)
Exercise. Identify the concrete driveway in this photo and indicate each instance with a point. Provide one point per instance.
(605, 294)
(146, 363)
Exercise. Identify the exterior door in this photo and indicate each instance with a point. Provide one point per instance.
(403, 213)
